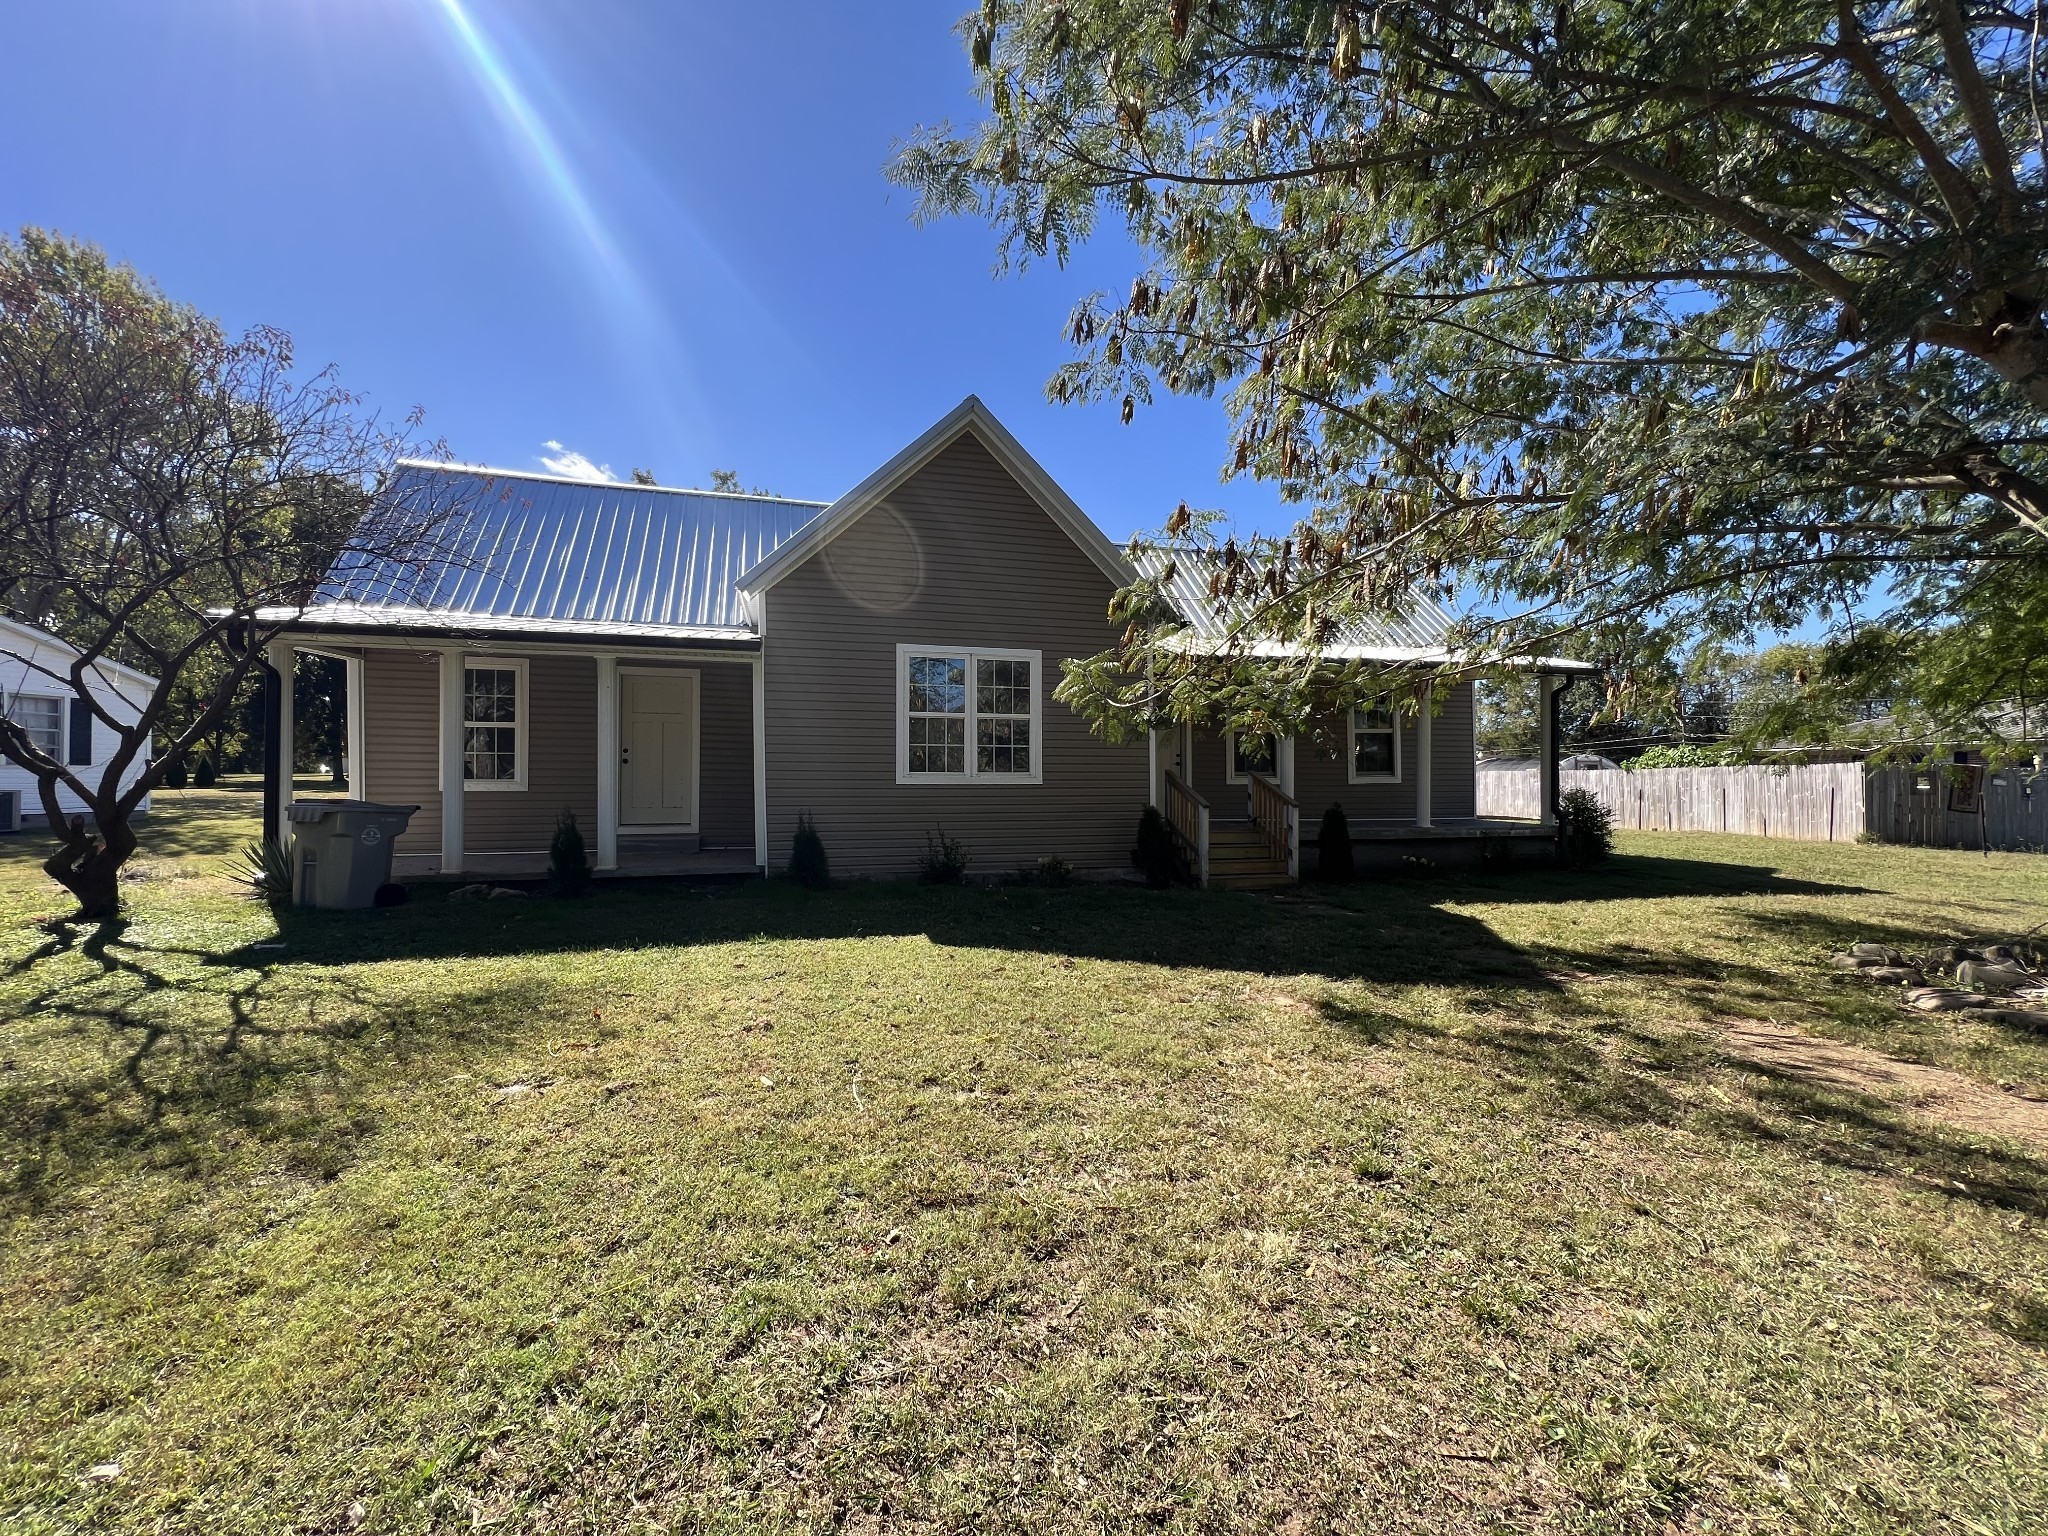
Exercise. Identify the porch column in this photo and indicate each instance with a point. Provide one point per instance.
(353, 707)
(284, 661)
(761, 761)
(451, 761)
(1423, 727)
(1283, 765)
(1546, 735)
(1153, 781)
(607, 762)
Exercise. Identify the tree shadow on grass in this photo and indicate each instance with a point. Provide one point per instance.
(1624, 877)
(165, 1047)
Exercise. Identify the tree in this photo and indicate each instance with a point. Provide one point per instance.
(1706, 315)
(169, 497)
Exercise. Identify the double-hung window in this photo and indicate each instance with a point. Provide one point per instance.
(494, 724)
(41, 720)
(1375, 749)
(967, 715)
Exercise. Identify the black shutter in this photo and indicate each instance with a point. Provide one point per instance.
(81, 734)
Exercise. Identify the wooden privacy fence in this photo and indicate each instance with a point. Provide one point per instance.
(1814, 802)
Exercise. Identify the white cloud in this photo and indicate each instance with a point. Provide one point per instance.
(570, 464)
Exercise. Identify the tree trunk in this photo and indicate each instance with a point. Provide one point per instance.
(89, 867)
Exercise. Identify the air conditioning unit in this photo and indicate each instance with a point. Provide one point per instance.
(10, 810)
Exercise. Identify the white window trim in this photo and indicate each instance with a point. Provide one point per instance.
(522, 725)
(1230, 773)
(1351, 773)
(973, 653)
(665, 828)
(10, 704)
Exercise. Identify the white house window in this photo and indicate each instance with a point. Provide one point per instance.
(494, 724)
(41, 719)
(1247, 754)
(967, 715)
(1375, 756)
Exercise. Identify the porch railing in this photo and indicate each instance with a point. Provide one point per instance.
(1187, 813)
(1277, 819)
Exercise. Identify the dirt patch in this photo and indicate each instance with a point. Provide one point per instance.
(1935, 1092)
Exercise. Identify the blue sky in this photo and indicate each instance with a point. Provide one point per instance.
(656, 234)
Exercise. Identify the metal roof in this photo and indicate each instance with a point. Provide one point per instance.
(568, 555)
(1424, 626)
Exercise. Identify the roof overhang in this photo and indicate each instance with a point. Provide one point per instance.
(441, 623)
(970, 415)
(1190, 644)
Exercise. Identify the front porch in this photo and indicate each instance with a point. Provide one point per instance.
(655, 749)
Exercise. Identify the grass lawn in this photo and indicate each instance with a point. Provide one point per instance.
(1434, 1205)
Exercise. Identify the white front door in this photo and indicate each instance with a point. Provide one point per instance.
(658, 750)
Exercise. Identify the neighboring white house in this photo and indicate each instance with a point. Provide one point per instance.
(36, 694)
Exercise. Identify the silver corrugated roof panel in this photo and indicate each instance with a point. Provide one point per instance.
(573, 552)
(1424, 626)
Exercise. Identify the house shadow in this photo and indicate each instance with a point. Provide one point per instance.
(1623, 877)
(1406, 936)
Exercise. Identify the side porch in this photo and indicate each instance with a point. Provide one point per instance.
(1247, 814)
(654, 748)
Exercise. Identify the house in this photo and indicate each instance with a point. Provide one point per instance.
(688, 671)
(36, 693)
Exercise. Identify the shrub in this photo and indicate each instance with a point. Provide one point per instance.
(1684, 755)
(808, 866)
(1155, 856)
(1054, 870)
(944, 861)
(174, 776)
(264, 870)
(1333, 846)
(1585, 828)
(203, 776)
(568, 860)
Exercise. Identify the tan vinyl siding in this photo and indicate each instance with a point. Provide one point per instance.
(959, 555)
(1320, 780)
(401, 750)
(561, 763)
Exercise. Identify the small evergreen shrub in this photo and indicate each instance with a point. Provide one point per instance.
(1333, 846)
(808, 866)
(1585, 828)
(174, 776)
(1155, 856)
(203, 776)
(568, 860)
(944, 861)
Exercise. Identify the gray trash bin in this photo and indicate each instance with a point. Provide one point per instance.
(341, 850)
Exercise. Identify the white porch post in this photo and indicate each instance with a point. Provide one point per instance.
(284, 658)
(607, 762)
(355, 704)
(451, 761)
(761, 761)
(1153, 781)
(1546, 762)
(1423, 727)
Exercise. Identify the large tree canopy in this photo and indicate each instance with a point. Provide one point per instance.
(1705, 316)
(167, 493)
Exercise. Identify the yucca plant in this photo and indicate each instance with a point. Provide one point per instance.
(264, 869)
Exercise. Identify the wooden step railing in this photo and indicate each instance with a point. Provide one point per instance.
(1277, 819)
(1187, 813)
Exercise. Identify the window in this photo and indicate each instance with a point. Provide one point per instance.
(1247, 755)
(1375, 756)
(494, 724)
(967, 715)
(42, 719)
